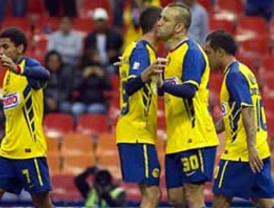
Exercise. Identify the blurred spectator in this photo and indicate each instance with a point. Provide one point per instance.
(18, 8)
(55, 7)
(102, 193)
(103, 39)
(93, 81)
(199, 22)
(67, 42)
(131, 19)
(260, 8)
(60, 84)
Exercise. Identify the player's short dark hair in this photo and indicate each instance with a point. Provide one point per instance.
(185, 16)
(224, 40)
(16, 36)
(149, 17)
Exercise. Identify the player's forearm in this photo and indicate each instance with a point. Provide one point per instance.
(249, 125)
(35, 72)
(180, 90)
(220, 126)
(133, 85)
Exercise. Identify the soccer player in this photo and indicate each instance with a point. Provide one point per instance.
(23, 149)
(191, 136)
(137, 123)
(244, 168)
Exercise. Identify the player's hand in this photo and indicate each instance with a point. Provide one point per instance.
(118, 63)
(159, 65)
(8, 63)
(159, 80)
(256, 164)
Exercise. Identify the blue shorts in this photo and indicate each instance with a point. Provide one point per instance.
(30, 174)
(191, 166)
(139, 163)
(234, 178)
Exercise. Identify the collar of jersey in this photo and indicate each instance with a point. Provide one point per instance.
(179, 44)
(227, 69)
(148, 43)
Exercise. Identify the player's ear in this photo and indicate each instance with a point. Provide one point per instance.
(221, 52)
(20, 49)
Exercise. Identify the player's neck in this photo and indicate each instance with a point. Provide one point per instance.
(227, 62)
(150, 37)
(176, 40)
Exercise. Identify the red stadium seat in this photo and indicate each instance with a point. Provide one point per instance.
(254, 48)
(84, 25)
(20, 22)
(115, 81)
(36, 7)
(271, 30)
(251, 28)
(235, 6)
(267, 65)
(40, 49)
(64, 188)
(93, 124)
(46, 25)
(205, 4)
(249, 61)
(56, 124)
(226, 25)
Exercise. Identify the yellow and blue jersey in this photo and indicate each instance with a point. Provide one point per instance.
(137, 122)
(189, 123)
(23, 110)
(240, 88)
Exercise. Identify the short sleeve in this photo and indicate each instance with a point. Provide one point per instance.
(238, 88)
(139, 61)
(193, 67)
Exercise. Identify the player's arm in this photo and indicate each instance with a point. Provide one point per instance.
(220, 126)
(192, 69)
(238, 88)
(37, 75)
(141, 70)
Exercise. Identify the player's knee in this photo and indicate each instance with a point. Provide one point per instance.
(154, 195)
(175, 200)
(221, 201)
(41, 200)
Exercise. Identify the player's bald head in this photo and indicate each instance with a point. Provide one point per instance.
(182, 13)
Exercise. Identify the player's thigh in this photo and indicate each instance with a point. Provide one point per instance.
(233, 178)
(221, 201)
(194, 192)
(150, 192)
(9, 180)
(41, 200)
(139, 163)
(263, 203)
(198, 165)
(263, 185)
(34, 175)
(176, 196)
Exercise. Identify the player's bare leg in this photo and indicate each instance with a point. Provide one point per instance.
(263, 203)
(151, 196)
(176, 197)
(2, 191)
(194, 195)
(42, 200)
(221, 201)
